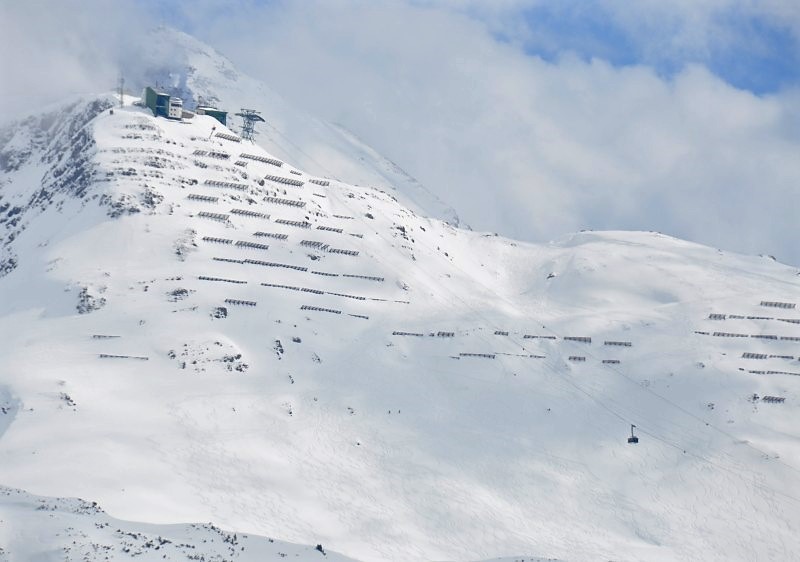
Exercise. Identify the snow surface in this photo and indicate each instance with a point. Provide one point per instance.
(128, 380)
(67, 529)
(62, 529)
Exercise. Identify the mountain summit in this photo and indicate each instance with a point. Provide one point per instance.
(196, 328)
(190, 69)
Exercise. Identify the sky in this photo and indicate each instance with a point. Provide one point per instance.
(533, 118)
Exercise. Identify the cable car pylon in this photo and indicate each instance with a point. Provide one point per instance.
(249, 119)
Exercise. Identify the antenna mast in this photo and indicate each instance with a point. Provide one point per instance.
(121, 89)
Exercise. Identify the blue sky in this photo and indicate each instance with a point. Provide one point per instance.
(766, 64)
(751, 44)
(746, 49)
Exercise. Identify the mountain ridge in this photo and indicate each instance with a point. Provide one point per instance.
(198, 330)
(198, 72)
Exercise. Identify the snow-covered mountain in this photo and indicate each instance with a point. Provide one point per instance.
(194, 329)
(188, 68)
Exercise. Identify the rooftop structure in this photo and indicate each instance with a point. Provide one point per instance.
(162, 104)
(218, 114)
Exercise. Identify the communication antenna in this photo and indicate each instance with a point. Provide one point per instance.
(121, 89)
(249, 119)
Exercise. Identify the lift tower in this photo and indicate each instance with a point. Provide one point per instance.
(249, 119)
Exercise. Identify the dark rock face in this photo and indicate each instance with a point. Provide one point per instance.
(177, 295)
(62, 143)
(89, 303)
(7, 265)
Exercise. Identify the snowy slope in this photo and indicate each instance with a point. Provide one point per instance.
(43, 529)
(67, 529)
(194, 71)
(184, 337)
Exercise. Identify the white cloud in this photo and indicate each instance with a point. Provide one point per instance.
(518, 145)
(696, 28)
(56, 48)
(534, 149)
